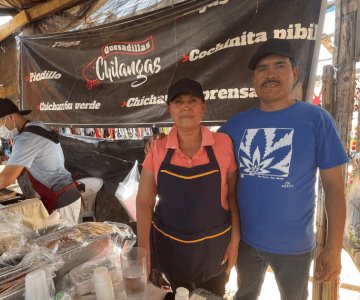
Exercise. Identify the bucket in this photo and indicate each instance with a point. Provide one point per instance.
(92, 187)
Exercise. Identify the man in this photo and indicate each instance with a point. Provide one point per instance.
(37, 149)
(279, 147)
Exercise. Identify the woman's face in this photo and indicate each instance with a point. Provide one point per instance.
(186, 111)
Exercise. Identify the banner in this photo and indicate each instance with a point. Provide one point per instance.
(117, 75)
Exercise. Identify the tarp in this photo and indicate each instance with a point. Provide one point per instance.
(118, 74)
(110, 161)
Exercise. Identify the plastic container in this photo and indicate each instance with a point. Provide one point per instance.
(37, 286)
(92, 187)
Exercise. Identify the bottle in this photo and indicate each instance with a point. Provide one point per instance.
(103, 285)
(6, 148)
(182, 293)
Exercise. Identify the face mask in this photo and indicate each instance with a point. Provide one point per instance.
(6, 133)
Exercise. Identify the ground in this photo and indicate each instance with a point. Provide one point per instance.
(349, 283)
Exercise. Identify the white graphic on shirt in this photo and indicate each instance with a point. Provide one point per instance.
(266, 152)
(287, 185)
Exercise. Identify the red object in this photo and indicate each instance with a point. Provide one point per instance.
(48, 196)
(98, 133)
(316, 99)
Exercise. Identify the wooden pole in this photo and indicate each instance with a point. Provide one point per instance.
(358, 108)
(356, 172)
(344, 61)
(341, 107)
(328, 84)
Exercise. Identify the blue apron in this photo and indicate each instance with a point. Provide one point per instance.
(190, 229)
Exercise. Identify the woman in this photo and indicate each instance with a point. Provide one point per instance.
(192, 236)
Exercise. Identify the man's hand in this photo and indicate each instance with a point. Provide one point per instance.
(230, 256)
(151, 140)
(9, 175)
(328, 265)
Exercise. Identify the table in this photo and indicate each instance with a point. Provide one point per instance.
(153, 293)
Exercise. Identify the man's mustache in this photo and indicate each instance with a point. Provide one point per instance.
(271, 81)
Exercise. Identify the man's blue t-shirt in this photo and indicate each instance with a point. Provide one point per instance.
(278, 154)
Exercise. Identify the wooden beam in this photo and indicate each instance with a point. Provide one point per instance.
(7, 91)
(327, 43)
(33, 14)
(2, 92)
(47, 8)
(14, 24)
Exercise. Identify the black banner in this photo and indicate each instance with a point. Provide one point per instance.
(117, 75)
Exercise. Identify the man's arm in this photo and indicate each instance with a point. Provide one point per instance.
(145, 201)
(9, 175)
(328, 265)
(232, 249)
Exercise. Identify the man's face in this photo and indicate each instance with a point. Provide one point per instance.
(274, 78)
(3, 121)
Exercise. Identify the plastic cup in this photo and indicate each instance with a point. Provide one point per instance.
(103, 284)
(37, 286)
(133, 265)
(182, 293)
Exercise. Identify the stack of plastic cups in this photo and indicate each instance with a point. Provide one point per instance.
(182, 293)
(103, 285)
(37, 286)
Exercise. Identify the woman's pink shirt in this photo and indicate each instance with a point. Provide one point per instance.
(222, 146)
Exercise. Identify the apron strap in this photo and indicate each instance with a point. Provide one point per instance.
(48, 134)
(211, 154)
(168, 156)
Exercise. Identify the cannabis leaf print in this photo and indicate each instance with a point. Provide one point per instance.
(266, 152)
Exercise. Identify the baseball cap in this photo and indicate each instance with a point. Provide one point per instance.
(271, 46)
(187, 86)
(8, 107)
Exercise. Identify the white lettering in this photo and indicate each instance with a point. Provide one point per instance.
(215, 3)
(45, 106)
(110, 69)
(297, 32)
(215, 94)
(247, 38)
(45, 75)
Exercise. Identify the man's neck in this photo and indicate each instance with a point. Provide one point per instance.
(274, 106)
(20, 124)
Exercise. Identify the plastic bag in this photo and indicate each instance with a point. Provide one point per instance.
(82, 276)
(127, 191)
(12, 233)
(12, 277)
